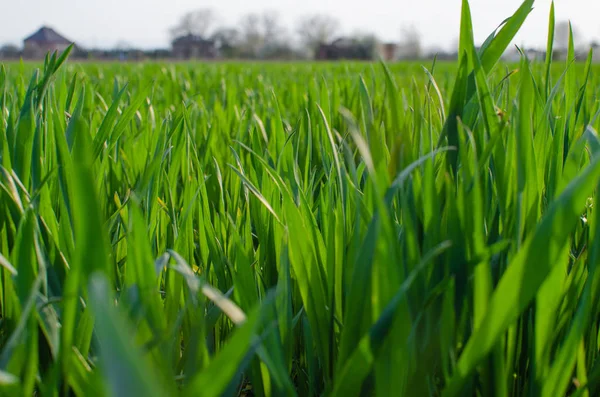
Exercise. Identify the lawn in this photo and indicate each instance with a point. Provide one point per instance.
(309, 229)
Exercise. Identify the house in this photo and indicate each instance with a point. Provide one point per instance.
(193, 46)
(43, 41)
(344, 48)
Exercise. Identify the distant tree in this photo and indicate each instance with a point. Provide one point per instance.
(9, 48)
(261, 33)
(9, 51)
(410, 42)
(282, 51)
(367, 42)
(273, 30)
(123, 46)
(562, 33)
(314, 30)
(227, 41)
(276, 41)
(440, 53)
(198, 22)
(124, 50)
(252, 37)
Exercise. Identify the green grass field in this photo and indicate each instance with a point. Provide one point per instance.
(347, 229)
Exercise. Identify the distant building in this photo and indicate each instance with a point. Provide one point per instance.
(43, 41)
(388, 51)
(344, 48)
(9, 51)
(192, 46)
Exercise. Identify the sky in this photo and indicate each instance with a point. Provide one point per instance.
(145, 23)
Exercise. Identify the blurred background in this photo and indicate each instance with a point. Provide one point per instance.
(134, 30)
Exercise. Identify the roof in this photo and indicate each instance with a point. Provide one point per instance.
(192, 39)
(49, 36)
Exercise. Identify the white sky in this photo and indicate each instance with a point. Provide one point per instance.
(145, 23)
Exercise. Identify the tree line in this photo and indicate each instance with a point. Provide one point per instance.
(263, 35)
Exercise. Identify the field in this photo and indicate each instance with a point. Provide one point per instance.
(343, 229)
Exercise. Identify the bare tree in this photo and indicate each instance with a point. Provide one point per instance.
(227, 41)
(410, 42)
(367, 42)
(273, 31)
(198, 22)
(276, 40)
(562, 33)
(226, 36)
(316, 29)
(261, 33)
(252, 37)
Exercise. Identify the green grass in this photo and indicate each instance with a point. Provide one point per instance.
(347, 229)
